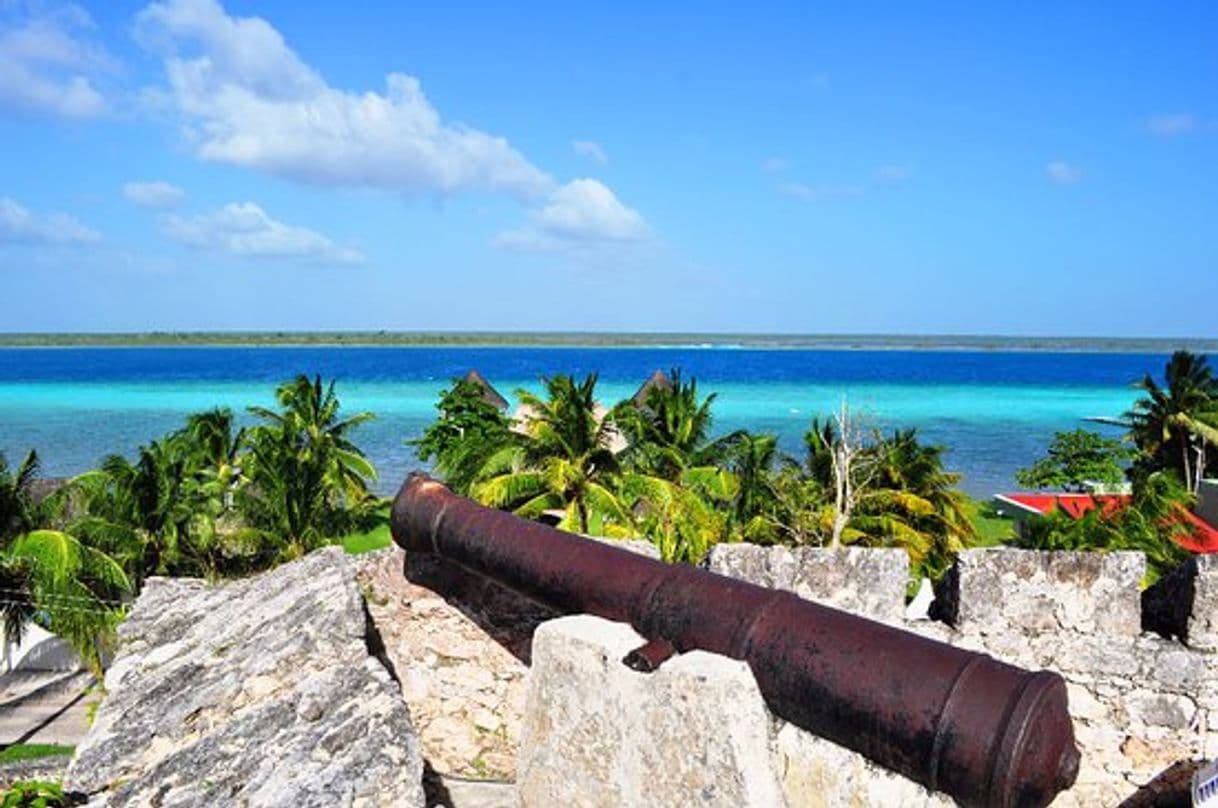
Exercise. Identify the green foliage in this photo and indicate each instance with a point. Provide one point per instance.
(992, 529)
(1149, 524)
(307, 481)
(37, 794)
(468, 431)
(563, 461)
(1173, 425)
(33, 751)
(1075, 458)
(50, 576)
(375, 537)
(671, 482)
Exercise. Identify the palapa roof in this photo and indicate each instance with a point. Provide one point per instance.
(658, 380)
(489, 394)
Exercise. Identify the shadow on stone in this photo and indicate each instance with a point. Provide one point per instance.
(506, 617)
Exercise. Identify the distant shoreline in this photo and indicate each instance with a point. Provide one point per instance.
(575, 339)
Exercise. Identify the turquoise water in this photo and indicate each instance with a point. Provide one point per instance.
(996, 411)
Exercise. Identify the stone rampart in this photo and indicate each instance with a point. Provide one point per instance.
(1141, 702)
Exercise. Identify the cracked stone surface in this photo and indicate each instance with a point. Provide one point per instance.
(261, 692)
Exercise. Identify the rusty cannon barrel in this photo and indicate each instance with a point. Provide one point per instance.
(956, 721)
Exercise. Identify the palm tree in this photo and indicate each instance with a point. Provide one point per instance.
(752, 458)
(469, 430)
(562, 460)
(50, 576)
(152, 514)
(914, 497)
(902, 496)
(668, 431)
(308, 482)
(214, 448)
(1173, 425)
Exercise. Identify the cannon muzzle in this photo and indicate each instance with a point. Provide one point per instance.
(956, 721)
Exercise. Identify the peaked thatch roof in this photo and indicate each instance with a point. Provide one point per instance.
(657, 380)
(489, 394)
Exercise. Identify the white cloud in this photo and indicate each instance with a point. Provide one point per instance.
(1172, 124)
(1063, 173)
(590, 149)
(48, 63)
(156, 194)
(244, 229)
(582, 213)
(246, 98)
(773, 165)
(807, 193)
(20, 225)
(894, 172)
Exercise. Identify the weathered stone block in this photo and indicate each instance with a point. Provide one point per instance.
(865, 581)
(261, 692)
(816, 772)
(599, 734)
(1002, 590)
(1203, 621)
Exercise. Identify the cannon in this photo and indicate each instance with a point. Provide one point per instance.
(985, 732)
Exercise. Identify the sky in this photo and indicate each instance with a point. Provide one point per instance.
(936, 168)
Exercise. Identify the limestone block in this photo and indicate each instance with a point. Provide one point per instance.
(261, 692)
(1160, 709)
(765, 566)
(596, 733)
(1003, 589)
(1203, 623)
(865, 581)
(816, 773)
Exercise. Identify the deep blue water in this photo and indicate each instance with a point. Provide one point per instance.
(994, 410)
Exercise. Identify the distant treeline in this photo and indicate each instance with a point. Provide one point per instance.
(613, 339)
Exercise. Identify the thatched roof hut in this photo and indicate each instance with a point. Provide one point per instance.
(489, 394)
(659, 380)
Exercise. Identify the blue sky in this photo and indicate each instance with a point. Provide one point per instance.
(814, 168)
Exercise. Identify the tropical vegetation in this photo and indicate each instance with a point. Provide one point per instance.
(1170, 429)
(1078, 460)
(650, 467)
(210, 499)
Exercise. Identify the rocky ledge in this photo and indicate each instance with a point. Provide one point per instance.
(263, 692)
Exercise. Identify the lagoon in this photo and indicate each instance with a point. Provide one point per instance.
(995, 410)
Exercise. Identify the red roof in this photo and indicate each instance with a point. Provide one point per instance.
(1200, 538)
(1074, 504)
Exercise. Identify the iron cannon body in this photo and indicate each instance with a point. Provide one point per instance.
(985, 732)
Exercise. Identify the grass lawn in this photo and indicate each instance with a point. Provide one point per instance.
(32, 751)
(369, 540)
(992, 529)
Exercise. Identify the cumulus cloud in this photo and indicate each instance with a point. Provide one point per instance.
(17, 224)
(247, 99)
(1172, 124)
(1063, 173)
(155, 194)
(590, 149)
(244, 229)
(582, 213)
(48, 63)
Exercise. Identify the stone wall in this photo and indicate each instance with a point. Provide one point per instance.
(1140, 702)
(268, 691)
